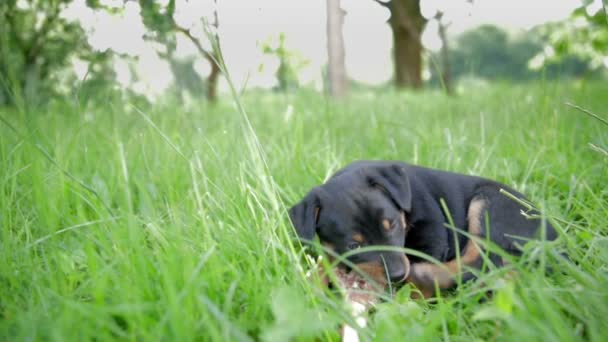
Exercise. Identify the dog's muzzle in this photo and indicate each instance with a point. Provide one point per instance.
(397, 266)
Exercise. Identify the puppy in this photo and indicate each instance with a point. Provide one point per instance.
(386, 203)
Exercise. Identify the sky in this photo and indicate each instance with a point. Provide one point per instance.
(245, 24)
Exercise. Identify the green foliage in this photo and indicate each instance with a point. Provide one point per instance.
(485, 51)
(158, 18)
(37, 47)
(491, 53)
(584, 34)
(290, 311)
(162, 28)
(116, 225)
(290, 61)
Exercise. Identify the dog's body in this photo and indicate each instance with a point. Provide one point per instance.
(397, 204)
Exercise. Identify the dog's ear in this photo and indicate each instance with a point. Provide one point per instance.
(305, 215)
(392, 179)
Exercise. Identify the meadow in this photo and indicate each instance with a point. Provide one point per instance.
(168, 222)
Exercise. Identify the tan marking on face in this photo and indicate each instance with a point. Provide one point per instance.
(317, 209)
(359, 238)
(374, 270)
(425, 274)
(402, 220)
(386, 224)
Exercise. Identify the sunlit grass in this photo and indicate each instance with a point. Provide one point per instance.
(164, 223)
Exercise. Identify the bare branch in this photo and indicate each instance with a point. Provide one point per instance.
(193, 39)
(383, 4)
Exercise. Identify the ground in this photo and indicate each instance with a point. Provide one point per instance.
(169, 223)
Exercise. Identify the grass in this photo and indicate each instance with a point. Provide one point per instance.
(170, 223)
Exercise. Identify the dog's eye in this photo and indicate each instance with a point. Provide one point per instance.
(353, 245)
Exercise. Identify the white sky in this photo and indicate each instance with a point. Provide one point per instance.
(246, 23)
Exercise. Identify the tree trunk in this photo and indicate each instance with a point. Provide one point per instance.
(212, 81)
(407, 24)
(338, 81)
(446, 70)
(213, 59)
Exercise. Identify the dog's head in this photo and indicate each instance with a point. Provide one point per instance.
(362, 205)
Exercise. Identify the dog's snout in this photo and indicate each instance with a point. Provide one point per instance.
(398, 267)
(398, 277)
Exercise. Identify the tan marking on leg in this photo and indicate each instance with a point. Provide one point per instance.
(425, 274)
(476, 208)
(472, 250)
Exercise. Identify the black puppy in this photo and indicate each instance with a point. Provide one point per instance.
(396, 204)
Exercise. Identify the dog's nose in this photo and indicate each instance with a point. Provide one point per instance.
(397, 277)
(397, 265)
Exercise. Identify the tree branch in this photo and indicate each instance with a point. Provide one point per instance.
(194, 40)
(12, 24)
(36, 44)
(383, 4)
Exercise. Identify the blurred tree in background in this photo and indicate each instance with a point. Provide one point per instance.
(37, 48)
(159, 19)
(584, 35)
(575, 47)
(445, 73)
(490, 53)
(40, 46)
(336, 67)
(407, 23)
(290, 61)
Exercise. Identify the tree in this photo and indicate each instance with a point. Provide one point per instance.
(489, 52)
(37, 45)
(483, 51)
(446, 69)
(160, 20)
(407, 23)
(584, 34)
(338, 81)
(290, 61)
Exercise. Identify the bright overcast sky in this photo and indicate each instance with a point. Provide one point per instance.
(245, 23)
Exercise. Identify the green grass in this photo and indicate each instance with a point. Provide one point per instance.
(171, 225)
